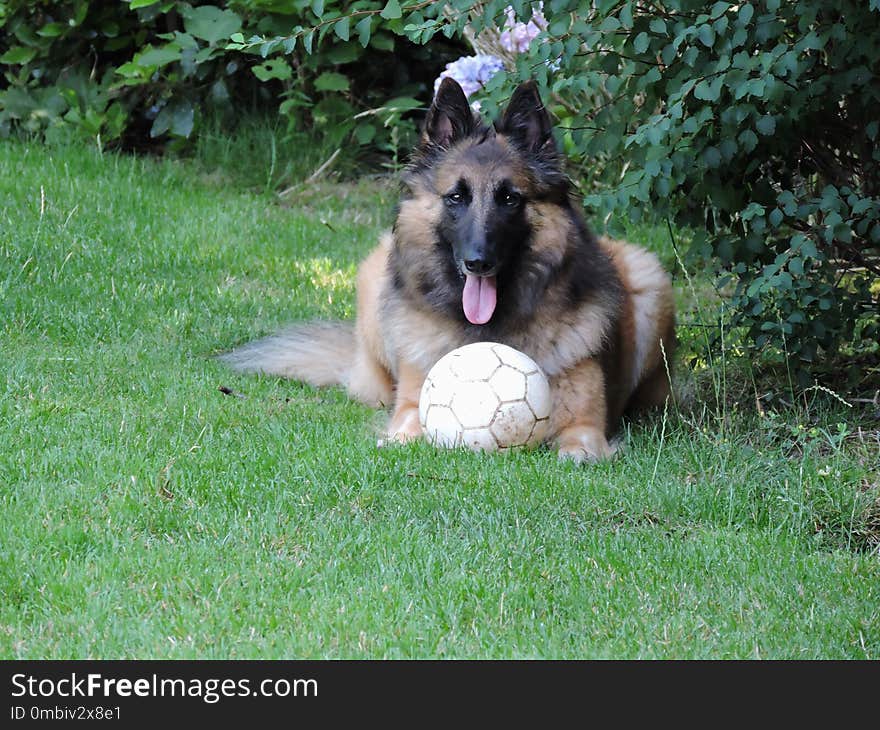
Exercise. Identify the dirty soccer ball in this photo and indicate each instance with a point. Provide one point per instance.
(485, 396)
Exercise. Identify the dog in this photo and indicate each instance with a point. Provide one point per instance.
(488, 245)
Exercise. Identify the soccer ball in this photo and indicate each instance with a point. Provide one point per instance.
(485, 396)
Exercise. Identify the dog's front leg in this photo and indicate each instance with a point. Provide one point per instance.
(404, 425)
(579, 413)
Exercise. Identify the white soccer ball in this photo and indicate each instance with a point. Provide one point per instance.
(485, 396)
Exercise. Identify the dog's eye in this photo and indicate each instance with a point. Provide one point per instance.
(455, 198)
(511, 199)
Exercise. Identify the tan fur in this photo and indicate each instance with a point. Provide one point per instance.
(404, 423)
(578, 419)
(403, 345)
(394, 346)
(649, 294)
(318, 353)
(603, 352)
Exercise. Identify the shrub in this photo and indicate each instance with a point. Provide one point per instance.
(755, 124)
(146, 71)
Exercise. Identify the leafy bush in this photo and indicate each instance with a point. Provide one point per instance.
(147, 70)
(756, 124)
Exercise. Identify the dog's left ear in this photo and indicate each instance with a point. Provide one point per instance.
(525, 120)
(450, 117)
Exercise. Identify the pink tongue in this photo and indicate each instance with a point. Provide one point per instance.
(478, 298)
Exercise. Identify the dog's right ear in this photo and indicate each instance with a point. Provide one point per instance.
(450, 117)
(526, 120)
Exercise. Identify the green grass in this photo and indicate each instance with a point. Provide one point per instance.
(145, 514)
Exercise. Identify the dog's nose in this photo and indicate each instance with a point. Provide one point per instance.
(480, 267)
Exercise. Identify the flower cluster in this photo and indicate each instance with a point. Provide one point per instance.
(515, 37)
(472, 72)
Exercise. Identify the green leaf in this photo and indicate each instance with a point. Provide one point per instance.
(308, 39)
(210, 23)
(363, 29)
(712, 157)
(706, 35)
(641, 43)
(185, 41)
(766, 125)
(718, 9)
(18, 55)
(728, 149)
(331, 81)
(776, 217)
(752, 210)
(560, 26)
(177, 118)
(745, 14)
(626, 16)
(753, 87)
(318, 7)
(748, 139)
(132, 70)
(204, 54)
(862, 206)
(400, 104)
(135, 4)
(158, 56)
(788, 202)
(391, 11)
(52, 30)
(709, 90)
(657, 26)
(364, 133)
(342, 28)
(276, 68)
(805, 245)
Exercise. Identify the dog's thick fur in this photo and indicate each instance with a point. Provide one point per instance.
(489, 208)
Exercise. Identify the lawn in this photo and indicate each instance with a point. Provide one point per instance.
(148, 514)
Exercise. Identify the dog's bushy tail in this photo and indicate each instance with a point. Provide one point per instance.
(318, 353)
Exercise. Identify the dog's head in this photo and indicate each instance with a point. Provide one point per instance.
(476, 187)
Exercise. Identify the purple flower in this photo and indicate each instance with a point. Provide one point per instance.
(471, 72)
(515, 37)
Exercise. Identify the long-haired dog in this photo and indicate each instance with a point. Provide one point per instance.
(488, 245)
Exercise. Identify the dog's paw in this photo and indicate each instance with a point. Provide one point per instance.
(585, 446)
(404, 430)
